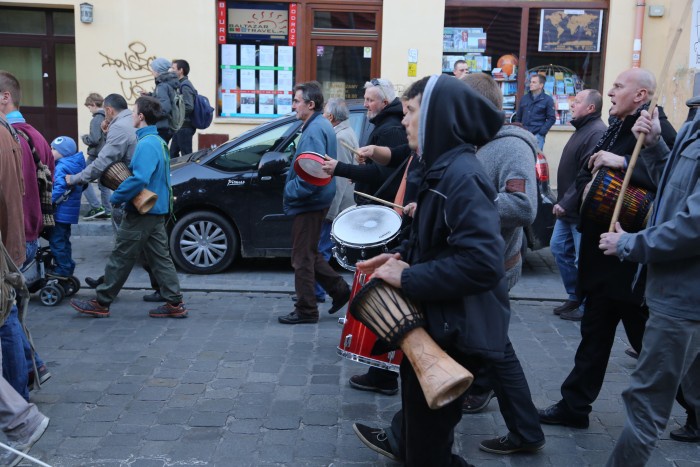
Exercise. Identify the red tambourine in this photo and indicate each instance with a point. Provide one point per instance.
(309, 166)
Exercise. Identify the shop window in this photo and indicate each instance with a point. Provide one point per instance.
(22, 21)
(566, 48)
(63, 23)
(256, 56)
(25, 63)
(344, 20)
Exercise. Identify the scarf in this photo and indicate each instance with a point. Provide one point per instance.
(614, 126)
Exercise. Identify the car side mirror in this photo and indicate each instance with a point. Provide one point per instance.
(273, 163)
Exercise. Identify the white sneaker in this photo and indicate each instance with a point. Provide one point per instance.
(10, 459)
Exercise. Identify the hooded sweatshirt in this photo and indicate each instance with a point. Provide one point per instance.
(455, 249)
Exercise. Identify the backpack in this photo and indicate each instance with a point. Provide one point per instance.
(203, 112)
(177, 110)
(45, 181)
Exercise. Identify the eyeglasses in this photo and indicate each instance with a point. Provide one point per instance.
(375, 82)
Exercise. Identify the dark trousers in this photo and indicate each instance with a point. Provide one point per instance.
(181, 143)
(309, 265)
(59, 241)
(422, 436)
(600, 320)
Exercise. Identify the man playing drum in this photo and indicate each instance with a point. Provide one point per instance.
(603, 281)
(452, 263)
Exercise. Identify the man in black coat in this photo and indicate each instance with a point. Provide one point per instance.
(566, 238)
(452, 263)
(604, 281)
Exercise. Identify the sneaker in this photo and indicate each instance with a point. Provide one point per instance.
(375, 439)
(104, 215)
(11, 459)
(686, 434)
(367, 383)
(573, 315)
(557, 415)
(340, 301)
(566, 306)
(44, 375)
(504, 445)
(475, 403)
(631, 353)
(93, 213)
(93, 283)
(169, 310)
(154, 297)
(91, 307)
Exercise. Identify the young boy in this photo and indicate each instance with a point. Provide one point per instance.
(94, 141)
(68, 162)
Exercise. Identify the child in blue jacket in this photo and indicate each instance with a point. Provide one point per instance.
(68, 162)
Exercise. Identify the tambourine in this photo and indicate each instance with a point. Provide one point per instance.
(309, 166)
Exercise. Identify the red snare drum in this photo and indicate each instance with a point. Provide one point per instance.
(357, 340)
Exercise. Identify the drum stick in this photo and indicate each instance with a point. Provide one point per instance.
(379, 200)
(652, 106)
(351, 149)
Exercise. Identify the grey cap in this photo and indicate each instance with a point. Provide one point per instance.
(160, 65)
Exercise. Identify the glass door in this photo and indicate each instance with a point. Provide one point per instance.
(342, 67)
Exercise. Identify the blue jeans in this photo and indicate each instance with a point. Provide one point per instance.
(540, 141)
(181, 143)
(565, 247)
(325, 247)
(14, 362)
(59, 240)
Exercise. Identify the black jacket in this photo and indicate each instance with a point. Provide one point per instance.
(455, 249)
(607, 275)
(574, 157)
(370, 176)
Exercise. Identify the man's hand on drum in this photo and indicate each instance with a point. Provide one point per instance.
(329, 166)
(369, 266)
(558, 211)
(390, 271)
(410, 209)
(605, 159)
(608, 240)
(650, 126)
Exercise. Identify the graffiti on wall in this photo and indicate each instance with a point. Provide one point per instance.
(132, 69)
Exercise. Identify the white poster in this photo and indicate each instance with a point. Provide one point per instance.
(285, 80)
(267, 80)
(247, 103)
(248, 55)
(267, 55)
(285, 56)
(248, 80)
(228, 54)
(284, 103)
(267, 104)
(229, 103)
(694, 52)
(228, 79)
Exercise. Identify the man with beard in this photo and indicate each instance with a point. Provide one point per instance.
(604, 282)
(452, 263)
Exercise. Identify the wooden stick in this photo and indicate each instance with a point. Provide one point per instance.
(351, 149)
(652, 106)
(379, 200)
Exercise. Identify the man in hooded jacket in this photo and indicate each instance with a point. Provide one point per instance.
(452, 263)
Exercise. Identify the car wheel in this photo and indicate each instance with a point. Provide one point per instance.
(203, 243)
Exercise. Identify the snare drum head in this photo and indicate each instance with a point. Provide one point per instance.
(309, 166)
(366, 225)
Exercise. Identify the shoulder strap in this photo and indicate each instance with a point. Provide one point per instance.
(26, 137)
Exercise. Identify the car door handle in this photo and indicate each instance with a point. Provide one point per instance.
(265, 178)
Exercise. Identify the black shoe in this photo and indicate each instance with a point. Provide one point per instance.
(340, 301)
(92, 283)
(475, 403)
(573, 315)
(556, 415)
(686, 434)
(375, 439)
(504, 445)
(154, 297)
(631, 352)
(566, 306)
(366, 383)
(295, 318)
(318, 299)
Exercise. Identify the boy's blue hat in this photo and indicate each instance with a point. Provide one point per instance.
(64, 145)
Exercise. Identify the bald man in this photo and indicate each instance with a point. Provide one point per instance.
(605, 282)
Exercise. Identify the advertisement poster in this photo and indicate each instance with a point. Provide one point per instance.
(570, 30)
(284, 103)
(229, 103)
(463, 40)
(247, 103)
(267, 104)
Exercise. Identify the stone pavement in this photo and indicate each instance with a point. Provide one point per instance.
(229, 386)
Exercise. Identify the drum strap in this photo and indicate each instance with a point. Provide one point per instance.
(391, 178)
(166, 161)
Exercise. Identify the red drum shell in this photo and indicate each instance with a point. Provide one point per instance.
(357, 341)
(308, 166)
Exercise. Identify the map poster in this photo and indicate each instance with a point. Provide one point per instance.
(570, 30)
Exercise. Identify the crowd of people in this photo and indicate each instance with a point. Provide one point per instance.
(466, 182)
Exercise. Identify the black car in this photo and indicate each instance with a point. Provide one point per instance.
(228, 200)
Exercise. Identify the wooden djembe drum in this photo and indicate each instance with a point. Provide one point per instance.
(115, 174)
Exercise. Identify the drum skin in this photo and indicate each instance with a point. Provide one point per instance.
(357, 341)
(308, 165)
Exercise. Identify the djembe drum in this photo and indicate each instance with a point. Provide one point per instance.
(599, 202)
(398, 322)
(115, 174)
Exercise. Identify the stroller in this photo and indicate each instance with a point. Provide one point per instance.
(52, 289)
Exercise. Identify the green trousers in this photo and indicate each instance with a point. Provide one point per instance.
(136, 233)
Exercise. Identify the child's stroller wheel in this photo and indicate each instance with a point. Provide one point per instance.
(71, 286)
(51, 294)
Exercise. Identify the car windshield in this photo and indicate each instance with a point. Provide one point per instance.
(246, 155)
